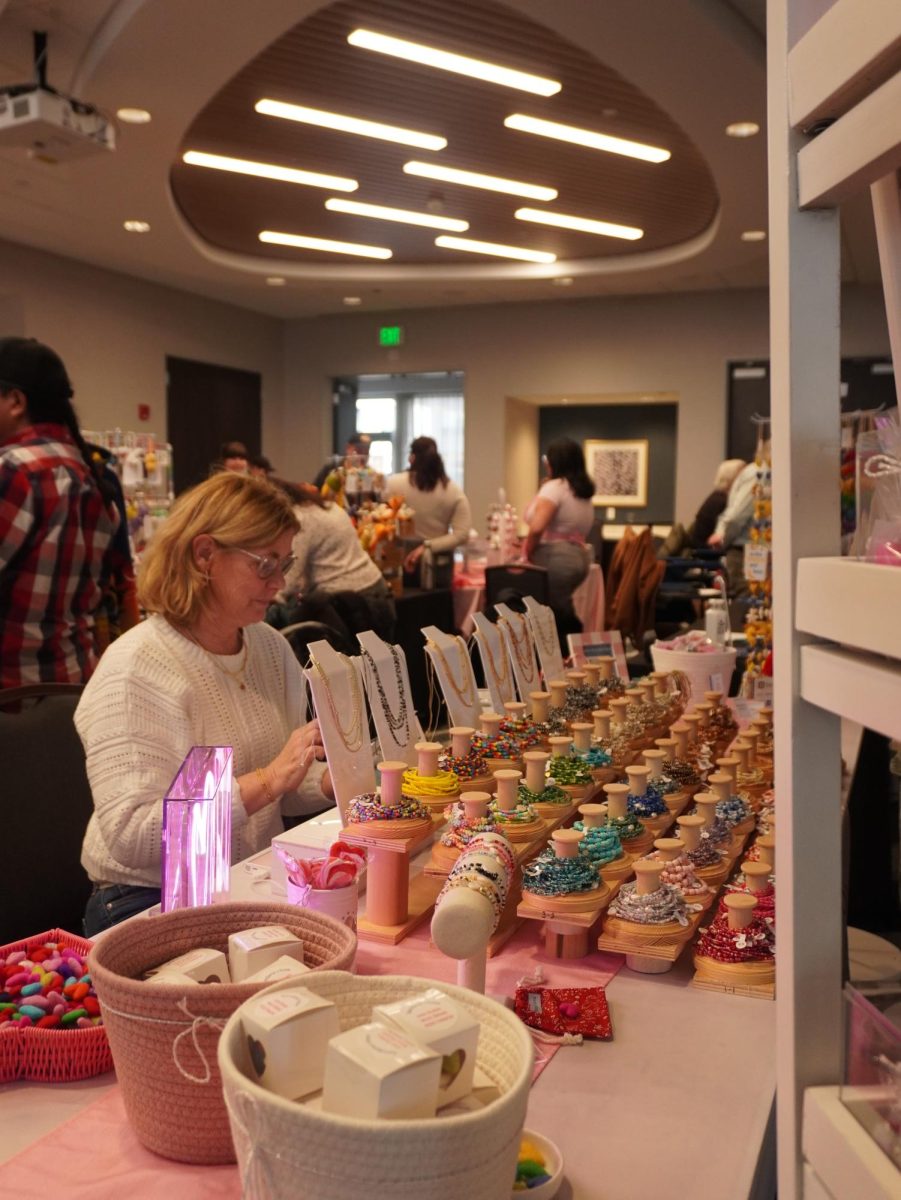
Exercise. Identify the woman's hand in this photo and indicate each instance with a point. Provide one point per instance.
(289, 768)
(413, 558)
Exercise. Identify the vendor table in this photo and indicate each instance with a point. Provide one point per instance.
(679, 1101)
(588, 600)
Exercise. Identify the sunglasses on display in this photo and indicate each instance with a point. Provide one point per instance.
(268, 564)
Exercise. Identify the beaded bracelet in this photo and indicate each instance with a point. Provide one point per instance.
(548, 875)
(705, 855)
(649, 805)
(499, 849)
(369, 807)
(595, 757)
(464, 766)
(445, 783)
(488, 892)
(724, 944)
(659, 907)
(600, 844)
(628, 827)
(548, 795)
(569, 770)
(681, 771)
(733, 811)
(522, 814)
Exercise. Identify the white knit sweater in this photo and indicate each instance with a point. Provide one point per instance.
(153, 696)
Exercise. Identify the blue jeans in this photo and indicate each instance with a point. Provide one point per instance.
(107, 906)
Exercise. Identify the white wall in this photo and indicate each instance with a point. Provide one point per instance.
(662, 343)
(113, 332)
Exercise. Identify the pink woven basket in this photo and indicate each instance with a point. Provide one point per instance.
(164, 1037)
(52, 1055)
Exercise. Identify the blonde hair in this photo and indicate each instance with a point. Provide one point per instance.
(235, 510)
(727, 474)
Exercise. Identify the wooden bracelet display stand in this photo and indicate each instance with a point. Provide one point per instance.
(706, 803)
(507, 799)
(561, 746)
(427, 755)
(582, 731)
(756, 979)
(674, 801)
(387, 684)
(558, 689)
(535, 762)
(721, 786)
(690, 835)
(461, 744)
(539, 703)
(340, 707)
(450, 658)
(603, 724)
(649, 949)
(668, 849)
(517, 638)
(638, 786)
(395, 903)
(567, 919)
(466, 918)
(490, 723)
(744, 751)
(543, 624)
(668, 746)
(495, 662)
(617, 808)
(593, 816)
(474, 806)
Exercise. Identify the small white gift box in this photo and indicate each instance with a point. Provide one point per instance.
(251, 950)
(287, 1035)
(376, 1071)
(283, 968)
(439, 1023)
(201, 965)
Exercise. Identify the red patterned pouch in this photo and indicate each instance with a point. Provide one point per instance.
(565, 1010)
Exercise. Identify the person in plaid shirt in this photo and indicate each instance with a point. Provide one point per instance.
(57, 523)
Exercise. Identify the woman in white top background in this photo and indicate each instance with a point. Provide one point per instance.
(441, 513)
(559, 518)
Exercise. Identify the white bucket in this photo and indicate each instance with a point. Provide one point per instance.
(340, 903)
(705, 672)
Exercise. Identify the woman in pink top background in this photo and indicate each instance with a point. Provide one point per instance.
(559, 518)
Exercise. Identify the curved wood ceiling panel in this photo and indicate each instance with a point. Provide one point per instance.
(314, 65)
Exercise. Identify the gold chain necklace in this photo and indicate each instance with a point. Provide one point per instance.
(238, 673)
(548, 640)
(352, 737)
(467, 693)
(501, 678)
(522, 648)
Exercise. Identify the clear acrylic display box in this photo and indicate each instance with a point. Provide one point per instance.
(871, 1086)
(197, 826)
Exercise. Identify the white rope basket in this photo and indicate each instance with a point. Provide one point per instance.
(287, 1150)
(699, 668)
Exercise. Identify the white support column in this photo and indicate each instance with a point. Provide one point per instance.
(886, 197)
(804, 350)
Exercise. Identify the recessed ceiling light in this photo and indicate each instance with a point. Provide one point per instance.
(313, 243)
(742, 129)
(491, 183)
(754, 235)
(460, 64)
(586, 137)
(352, 301)
(136, 226)
(493, 248)
(275, 280)
(581, 224)
(330, 120)
(403, 215)
(243, 166)
(563, 281)
(133, 116)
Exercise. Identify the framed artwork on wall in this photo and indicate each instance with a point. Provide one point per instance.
(619, 470)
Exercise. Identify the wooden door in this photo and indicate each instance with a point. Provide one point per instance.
(207, 405)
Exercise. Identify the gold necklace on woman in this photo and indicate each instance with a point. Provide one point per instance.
(238, 673)
(352, 737)
(466, 693)
(522, 648)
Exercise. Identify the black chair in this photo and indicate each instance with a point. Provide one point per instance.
(47, 805)
(511, 582)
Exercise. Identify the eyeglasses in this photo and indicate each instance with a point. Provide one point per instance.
(268, 564)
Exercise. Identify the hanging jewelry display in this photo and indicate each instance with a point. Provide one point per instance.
(465, 690)
(398, 721)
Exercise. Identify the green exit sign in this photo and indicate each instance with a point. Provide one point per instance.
(391, 335)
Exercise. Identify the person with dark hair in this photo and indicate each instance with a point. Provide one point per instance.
(441, 513)
(356, 452)
(260, 466)
(560, 518)
(233, 456)
(57, 523)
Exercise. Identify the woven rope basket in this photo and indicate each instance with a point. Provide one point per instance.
(287, 1151)
(164, 1039)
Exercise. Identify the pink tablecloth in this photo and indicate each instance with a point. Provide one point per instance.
(588, 600)
(99, 1157)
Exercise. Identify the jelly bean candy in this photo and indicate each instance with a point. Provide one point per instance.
(71, 1017)
(48, 1021)
(30, 988)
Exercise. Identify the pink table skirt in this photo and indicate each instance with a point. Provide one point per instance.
(588, 599)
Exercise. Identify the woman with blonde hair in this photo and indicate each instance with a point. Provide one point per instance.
(203, 669)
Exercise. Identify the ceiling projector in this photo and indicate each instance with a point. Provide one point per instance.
(49, 126)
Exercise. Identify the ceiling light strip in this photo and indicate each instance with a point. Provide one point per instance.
(243, 166)
(586, 137)
(491, 183)
(404, 216)
(459, 64)
(301, 242)
(494, 249)
(344, 124)
(541, 216)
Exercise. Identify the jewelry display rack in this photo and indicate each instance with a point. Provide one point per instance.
(517, 636)
(395, 903)
(340, 706)
(450, 658)
(567, 926)
(495, 662)
(543, 624)
(740, 979)
(384, 670)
